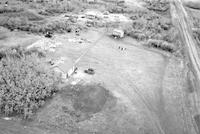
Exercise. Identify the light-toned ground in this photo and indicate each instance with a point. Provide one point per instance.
(134, 76)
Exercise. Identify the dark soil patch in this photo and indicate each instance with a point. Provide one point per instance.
(87, 98)
(91, 99)
(191, 83)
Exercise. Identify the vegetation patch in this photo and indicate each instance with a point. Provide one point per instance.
(25, 82)
(197, 120)
(162, 45)
(24, 24)
(148, 25)
(10, 9)
(159, 6)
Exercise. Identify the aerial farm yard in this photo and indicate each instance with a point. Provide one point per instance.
(99, 67)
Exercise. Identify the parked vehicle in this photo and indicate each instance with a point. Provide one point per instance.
(49, 34)
(117, 33)
(90, 71)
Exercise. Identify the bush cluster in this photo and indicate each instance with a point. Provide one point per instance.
(52, 8)
(25, 82)
(58, 26)
(23, 24)
(196, 35)
(196, 22)
(10, 9)
(148, 25)
(157, 5)
(138, 36)
(160, 44)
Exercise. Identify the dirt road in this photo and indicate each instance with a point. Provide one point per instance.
(182, 20)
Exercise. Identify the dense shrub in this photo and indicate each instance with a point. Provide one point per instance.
(138, 36)
(61, 7)
(14, 22)
(10, 9)
(163, 45)
(196, 22)
(45, 13)
(196, 34)
(148, 25)
(25, 82)
(22, 23)
(115, 9)
(158, 5)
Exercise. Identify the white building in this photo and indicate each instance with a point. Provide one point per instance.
(91, 1)
(92, 14)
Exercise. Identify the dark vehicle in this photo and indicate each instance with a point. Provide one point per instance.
(69, 30)
(90, 71)
(77, 32)
(49, 34)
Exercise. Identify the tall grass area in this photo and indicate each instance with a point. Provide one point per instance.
(35, 20)
(33, 23)
(25, 82)
(62, 6)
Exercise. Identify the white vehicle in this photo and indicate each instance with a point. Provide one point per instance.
(117, 33)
